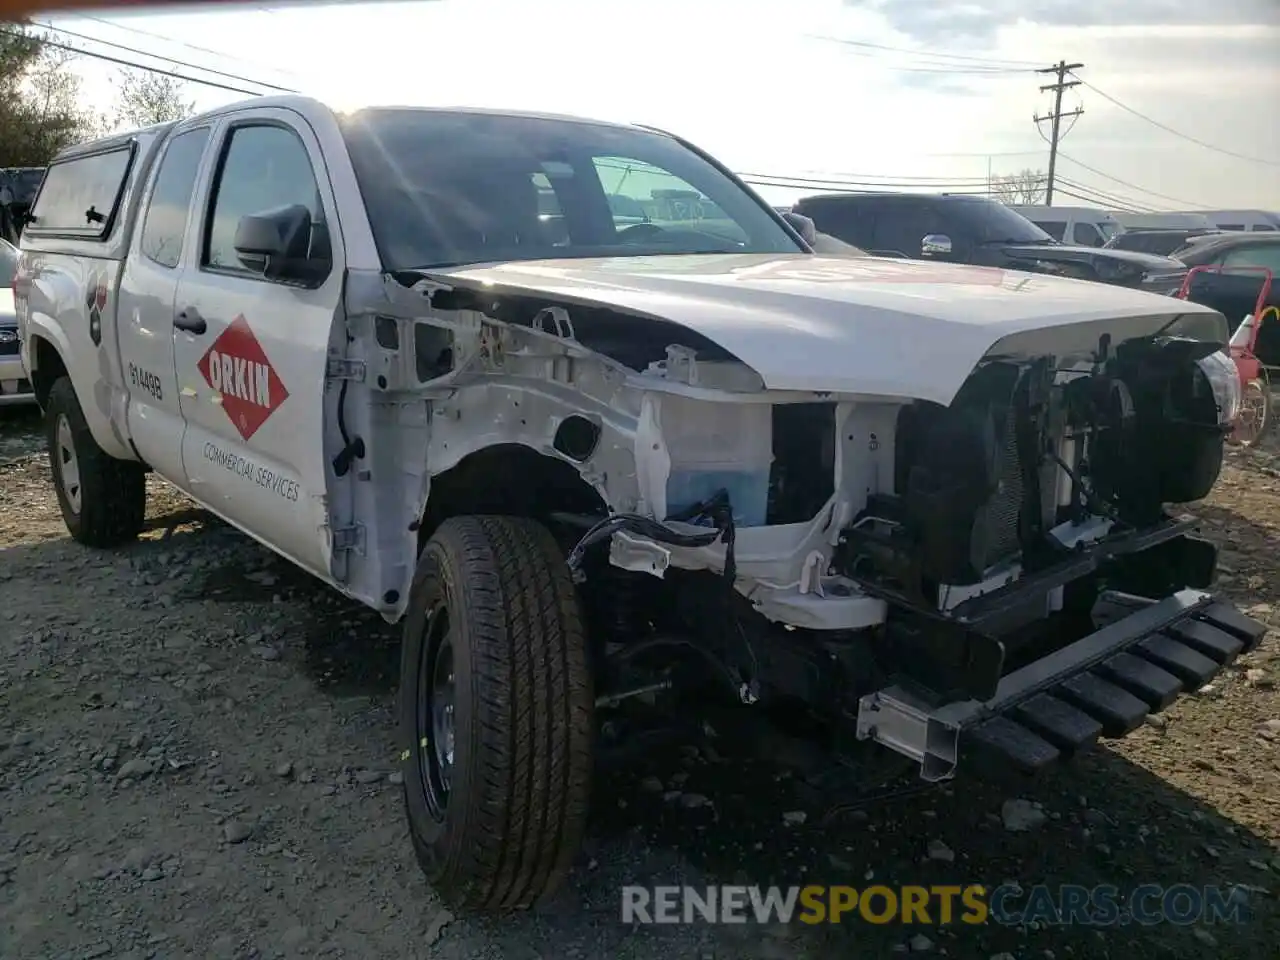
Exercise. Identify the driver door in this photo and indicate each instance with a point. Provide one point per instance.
(251, 352)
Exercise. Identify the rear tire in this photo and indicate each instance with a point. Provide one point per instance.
(496, 714)
(103, 500)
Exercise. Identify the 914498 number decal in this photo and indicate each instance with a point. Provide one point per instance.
(145, 380)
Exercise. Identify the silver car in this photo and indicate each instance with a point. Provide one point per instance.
(14, 386)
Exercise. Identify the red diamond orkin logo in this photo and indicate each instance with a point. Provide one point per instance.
(236, 366)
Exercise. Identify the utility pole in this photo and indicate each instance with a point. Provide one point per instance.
(1062, 69)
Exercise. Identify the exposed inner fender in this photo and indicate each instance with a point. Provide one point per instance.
(634, 340)
(445, 384)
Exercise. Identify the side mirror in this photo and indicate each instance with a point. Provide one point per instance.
(935, 245)
(803, 226)
(278, 244)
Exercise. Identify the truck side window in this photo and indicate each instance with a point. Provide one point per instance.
(1054, 228)
(264, 167)
(851, 222)
(901, 228)
(1086, 234)
(79, 195)
(166, 222)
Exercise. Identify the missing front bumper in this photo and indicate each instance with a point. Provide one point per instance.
(1103, 685)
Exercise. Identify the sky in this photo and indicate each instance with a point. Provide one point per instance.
(910, 94)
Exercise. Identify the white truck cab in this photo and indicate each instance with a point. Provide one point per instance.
(610, 455)
(1164, 221)
(1081, 226)
(1265, 221)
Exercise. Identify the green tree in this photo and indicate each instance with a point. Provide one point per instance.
(40, 108)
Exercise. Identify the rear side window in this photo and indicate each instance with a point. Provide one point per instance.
(80, 195)
(1057, 229)
(167, 210)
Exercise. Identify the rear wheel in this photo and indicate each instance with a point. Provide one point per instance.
(103, 500)
(496, 713)
(1255, 413)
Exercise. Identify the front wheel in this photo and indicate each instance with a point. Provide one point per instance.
(496, 714)
(1255, 413)
(103, 500)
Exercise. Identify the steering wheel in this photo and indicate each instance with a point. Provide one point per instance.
(639, 231)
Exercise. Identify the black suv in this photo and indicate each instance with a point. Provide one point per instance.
(20, 185)
(980, 231)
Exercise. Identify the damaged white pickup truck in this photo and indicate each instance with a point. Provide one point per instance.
(598, 425)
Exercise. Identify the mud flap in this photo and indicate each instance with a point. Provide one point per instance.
(1103, 685)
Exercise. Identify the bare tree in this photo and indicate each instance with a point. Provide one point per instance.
(144, 98)
(1027, 187)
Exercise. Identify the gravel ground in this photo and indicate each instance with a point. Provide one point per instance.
(197, 759)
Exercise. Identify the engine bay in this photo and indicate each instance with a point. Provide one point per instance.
(1032, 462)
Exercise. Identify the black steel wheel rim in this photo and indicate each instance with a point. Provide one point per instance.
(436, 712)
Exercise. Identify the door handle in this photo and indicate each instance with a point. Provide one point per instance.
(190, 321)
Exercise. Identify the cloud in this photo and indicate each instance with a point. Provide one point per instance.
(982, 19)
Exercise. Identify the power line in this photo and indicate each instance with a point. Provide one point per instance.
(985, 153)
(1093, 201)
(1178, 133)
(1123, 183)
(1062, 84)
(140, 66)
(833, 183)
(181, 43)
(1096, 196)
(1016, 66)
(1086, 194)
(848, 182)
(1077, 191)
(1108, 196)
(785, 183)
(145, 53)
(874, 178)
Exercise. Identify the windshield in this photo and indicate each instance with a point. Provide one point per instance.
(8, 263)
(987, 221)
(451, 188)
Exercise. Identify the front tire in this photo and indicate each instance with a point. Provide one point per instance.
(103, 500)
(496, 714)
(1255, 421)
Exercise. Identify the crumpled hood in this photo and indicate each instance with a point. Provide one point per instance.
(866, 325)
